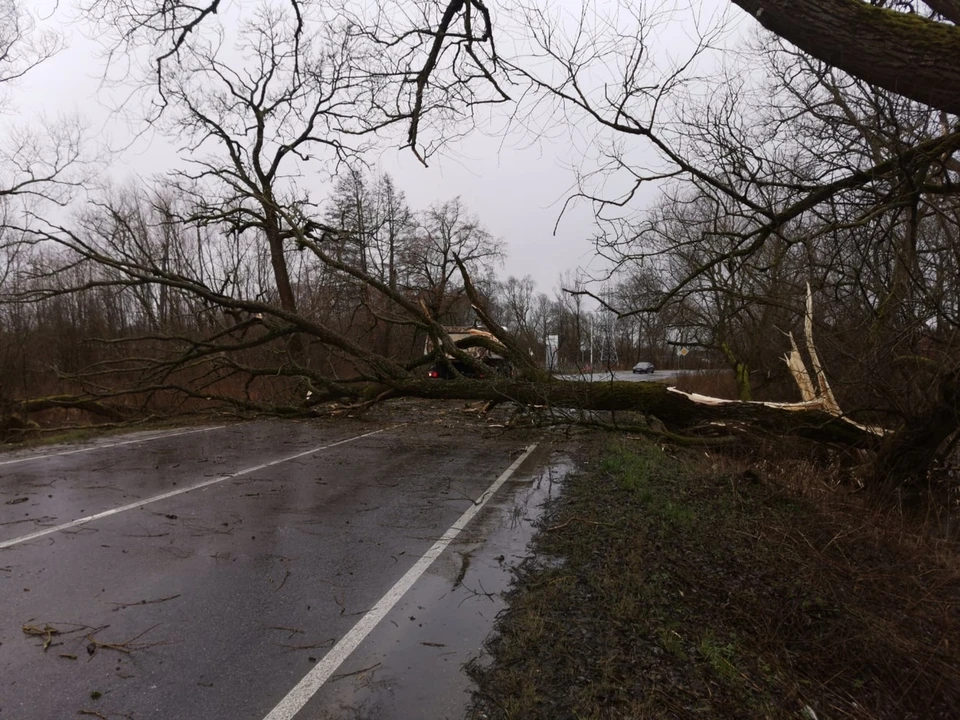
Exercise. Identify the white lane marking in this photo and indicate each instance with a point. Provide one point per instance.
(173, 493)
(112, 445)
(321, 672)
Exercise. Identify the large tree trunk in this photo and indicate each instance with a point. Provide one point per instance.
(906, 459)
(280, 273)
(904, 53)
(676, 410)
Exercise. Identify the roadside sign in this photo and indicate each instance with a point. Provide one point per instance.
(683, 352)
(553, 342)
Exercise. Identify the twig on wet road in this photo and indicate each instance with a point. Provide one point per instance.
(125, 647)
(46, 632)
(292, 631)
(312, 646)
(341, 676)
(122, 606)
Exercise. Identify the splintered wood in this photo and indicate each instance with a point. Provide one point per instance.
(814, 388)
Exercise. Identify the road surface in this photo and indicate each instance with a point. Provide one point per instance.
(263, 570)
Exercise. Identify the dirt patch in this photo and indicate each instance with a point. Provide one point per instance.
(677, 586)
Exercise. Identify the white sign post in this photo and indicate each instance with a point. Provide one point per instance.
(553, 342)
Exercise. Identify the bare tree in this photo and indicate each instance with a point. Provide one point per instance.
(447, 235)
(22, 45)
(432, 62)
(823, 178)
(252, 124)
(42, 162)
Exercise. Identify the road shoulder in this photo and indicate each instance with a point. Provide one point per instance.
(668, 587)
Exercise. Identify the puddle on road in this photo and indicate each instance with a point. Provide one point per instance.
(412, 665)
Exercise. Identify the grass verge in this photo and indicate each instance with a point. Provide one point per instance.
(673, 586)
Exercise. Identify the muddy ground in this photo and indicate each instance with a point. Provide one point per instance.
(676, 585)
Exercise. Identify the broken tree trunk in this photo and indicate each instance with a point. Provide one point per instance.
(677, 410)
(906, 459)
(72, 402)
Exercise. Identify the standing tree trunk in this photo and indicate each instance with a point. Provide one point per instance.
(278, 261)
(906, 460)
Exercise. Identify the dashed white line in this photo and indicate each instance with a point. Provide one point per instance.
(173, 493)
(304, 690)
(164, 436)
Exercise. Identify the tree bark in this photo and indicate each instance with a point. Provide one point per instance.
(72, 402)
(904, 53)
(675, 410)
(907, 458)
(280, 273)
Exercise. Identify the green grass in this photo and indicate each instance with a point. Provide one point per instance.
(720, 656)
(671, 640)
(640, 469)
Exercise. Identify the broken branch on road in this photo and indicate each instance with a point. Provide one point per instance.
(123, 606)
(46, 632)
(125, 647)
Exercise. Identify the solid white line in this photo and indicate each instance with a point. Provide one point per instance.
(321, 672)
(173, 493)
(112, 445)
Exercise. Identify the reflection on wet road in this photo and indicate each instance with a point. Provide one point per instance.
(412, 664)
(221, 565)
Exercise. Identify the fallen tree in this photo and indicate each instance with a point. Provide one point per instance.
(239, 345)
(195, 367)
(258, 345)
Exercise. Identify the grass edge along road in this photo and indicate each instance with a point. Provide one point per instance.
(697, 586)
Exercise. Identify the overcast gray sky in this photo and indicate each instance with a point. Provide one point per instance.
(515, 185)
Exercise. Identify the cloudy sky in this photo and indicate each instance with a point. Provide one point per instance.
(514, 182)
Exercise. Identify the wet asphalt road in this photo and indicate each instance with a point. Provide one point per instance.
(212, 604)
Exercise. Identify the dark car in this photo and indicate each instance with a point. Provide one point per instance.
(644, 367)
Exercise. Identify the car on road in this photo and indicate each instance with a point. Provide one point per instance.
(644, 367)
